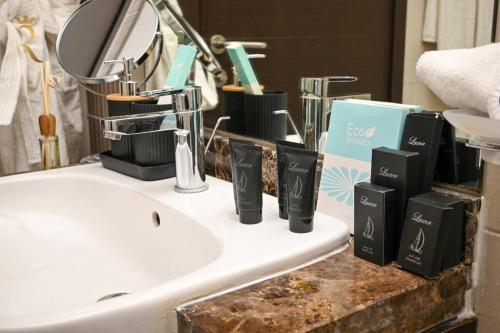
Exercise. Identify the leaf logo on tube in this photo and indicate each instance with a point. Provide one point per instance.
(243, 182)
(296, 191)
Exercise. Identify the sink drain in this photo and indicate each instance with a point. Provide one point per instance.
(109, 296)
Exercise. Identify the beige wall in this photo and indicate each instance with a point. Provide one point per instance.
(414, 91)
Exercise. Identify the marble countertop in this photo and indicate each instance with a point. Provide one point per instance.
(342, 293)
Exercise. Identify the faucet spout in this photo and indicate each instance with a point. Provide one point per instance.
(186, 118)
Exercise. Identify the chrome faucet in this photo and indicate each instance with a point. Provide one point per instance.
(189, 139)
(316, 106)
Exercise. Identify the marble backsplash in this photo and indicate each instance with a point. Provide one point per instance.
(218, 164)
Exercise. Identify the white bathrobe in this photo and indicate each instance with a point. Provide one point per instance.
(457, 24)
(21, 87)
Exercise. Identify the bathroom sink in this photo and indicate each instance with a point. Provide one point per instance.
(85, 249)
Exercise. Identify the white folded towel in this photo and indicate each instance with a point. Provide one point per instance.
(464, 78)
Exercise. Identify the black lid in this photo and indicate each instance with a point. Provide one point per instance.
(283, 212)
(301, 225)
(250, 216)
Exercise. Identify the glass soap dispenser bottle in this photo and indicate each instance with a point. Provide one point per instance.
(49, 142)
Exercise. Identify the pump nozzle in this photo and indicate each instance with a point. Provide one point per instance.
(128, 87)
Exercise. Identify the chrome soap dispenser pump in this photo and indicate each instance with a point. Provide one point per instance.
(128, 87)
(120, 104)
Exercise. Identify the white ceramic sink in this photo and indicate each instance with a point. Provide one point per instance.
(72, 236)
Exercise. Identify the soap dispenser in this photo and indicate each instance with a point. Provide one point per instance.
(119, 104)
(128, 87)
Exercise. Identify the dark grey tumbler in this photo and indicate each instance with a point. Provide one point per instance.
(123, 148)
(152, 149)
(234, 107)
(260, 122)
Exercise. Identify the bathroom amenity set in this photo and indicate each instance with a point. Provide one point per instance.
(395, 216)
(356, 127)
(296, 178)
(363, 145)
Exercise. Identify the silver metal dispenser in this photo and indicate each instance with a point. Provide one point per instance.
(128, 87)
(316, 107)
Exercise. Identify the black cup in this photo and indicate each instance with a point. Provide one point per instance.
(124, 148)
(260, 122)
(152, 149)
(234, 107)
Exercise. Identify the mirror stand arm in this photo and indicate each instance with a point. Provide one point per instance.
(159, 35)
(186, 33)
(92, 91)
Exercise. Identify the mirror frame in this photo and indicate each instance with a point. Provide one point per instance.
(156, 39)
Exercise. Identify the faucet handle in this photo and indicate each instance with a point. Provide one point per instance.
(317, 87)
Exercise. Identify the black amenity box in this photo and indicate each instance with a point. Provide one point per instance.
(455, 242)
(423, 241)
(422, 134)
(396, 169)
(374, 223)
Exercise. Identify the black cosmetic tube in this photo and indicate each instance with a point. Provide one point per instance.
(281, 147)
(300, 169)
(233, 173)
(248, 171)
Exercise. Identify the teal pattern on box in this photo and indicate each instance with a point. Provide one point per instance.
(339, 183)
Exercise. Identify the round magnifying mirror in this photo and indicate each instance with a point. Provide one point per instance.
(102, 30)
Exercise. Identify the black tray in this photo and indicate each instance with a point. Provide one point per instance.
(133, 170)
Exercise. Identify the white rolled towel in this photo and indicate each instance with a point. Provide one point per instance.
(464, 78)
